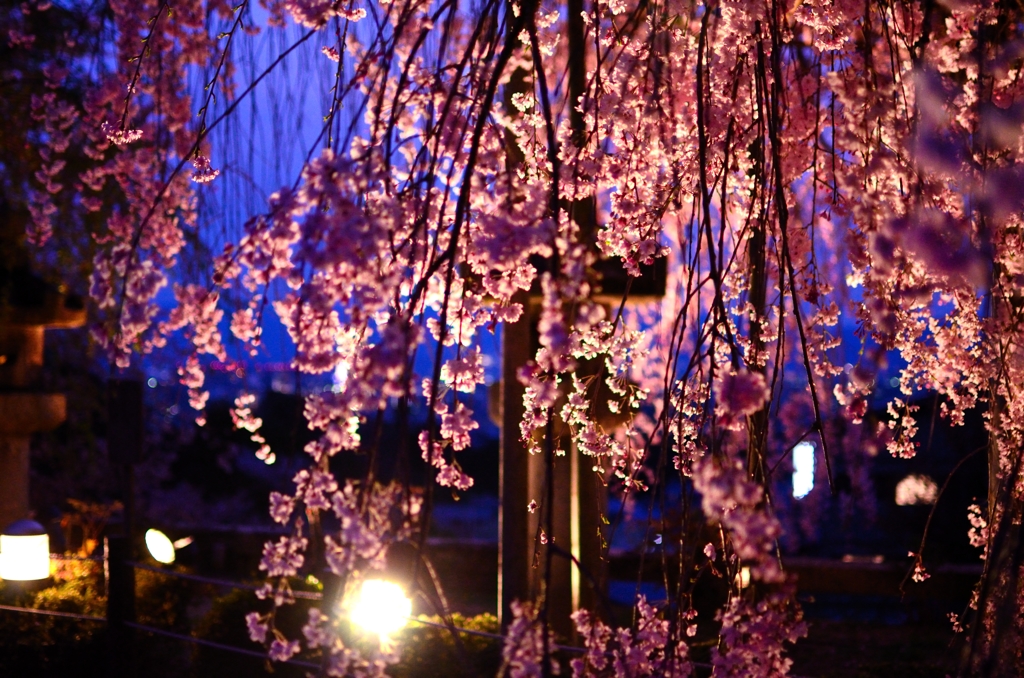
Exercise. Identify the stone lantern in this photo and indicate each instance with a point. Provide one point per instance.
(28, 307)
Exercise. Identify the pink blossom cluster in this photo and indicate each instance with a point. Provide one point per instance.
(316, 13)
(651, 649)
(919, 573)
(368, 524)
(369, 521)
(203, 172)
(978, 532)
(739, 395)
(243, 418)
(754, 635)
(731, 498)
(526, 650)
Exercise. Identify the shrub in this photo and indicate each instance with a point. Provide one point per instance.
(429, 651)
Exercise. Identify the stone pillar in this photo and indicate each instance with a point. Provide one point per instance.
(13, 464)
(21, 348)
(28, 306)
(21, 415)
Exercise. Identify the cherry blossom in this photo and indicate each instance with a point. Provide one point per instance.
(525, 651)
(788, 172)
(649, 650)
(282, 650)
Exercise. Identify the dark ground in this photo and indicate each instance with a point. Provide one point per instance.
(844, 649)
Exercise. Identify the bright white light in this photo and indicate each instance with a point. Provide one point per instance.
(340, 377)
(380, 607)
(24, 557)
(743, 577)
(160, 546)
(916, 489)
(803, 469)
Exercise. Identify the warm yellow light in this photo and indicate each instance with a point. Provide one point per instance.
(380, 607)
(160, 546)
(24, 552)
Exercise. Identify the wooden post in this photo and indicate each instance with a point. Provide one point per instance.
(514, 537)
(578, 497)
(589, 502)
(557, 500)
(120, 606)
(125, 434)
(124, 446)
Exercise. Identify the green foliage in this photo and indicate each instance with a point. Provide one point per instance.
(224, 623)
(162, 600)
(43, 646)
(429, 651)
(426, 651)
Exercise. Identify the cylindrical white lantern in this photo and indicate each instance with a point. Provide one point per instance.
(24, 552)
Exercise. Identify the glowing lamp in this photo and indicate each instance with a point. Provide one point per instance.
(916, 489)
(803, 469)
(380, 607)
(162, 548)
(24, 552)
